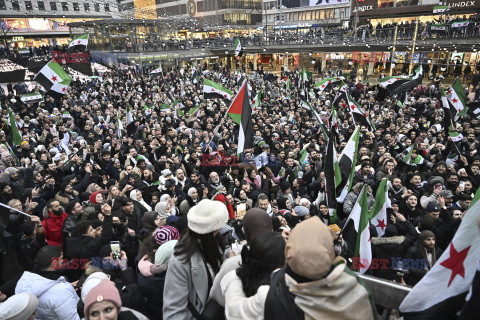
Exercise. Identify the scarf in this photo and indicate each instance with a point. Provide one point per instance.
(133, 196)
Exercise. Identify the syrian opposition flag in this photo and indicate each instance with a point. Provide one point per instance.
(460, 24)
(342, 95)
(440, 9)
(147, 110)
(439, 27)
(53, 78)
(303, 75)
(358, 115)
(441, 292)
(456, 96)
(378, 214)
(333, 175)
(211, 89)
(392, 82)
(360, 233)
(241, 111)
(256, 101)
(129, 116)
(414, 81)
(238, 48)
(66, 115)
(347, 163)
(79, 43)
(31, 97)
(16, 138)
(322, 84)
(448, 112)
(158, 70)
(456, 136)
(410, 159)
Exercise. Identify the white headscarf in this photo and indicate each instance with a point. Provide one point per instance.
(133, 196)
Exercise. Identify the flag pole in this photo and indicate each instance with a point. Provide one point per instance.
(13, 209)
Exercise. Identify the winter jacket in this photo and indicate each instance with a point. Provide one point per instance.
(351, 198)
(152, 289)
(53, 226)
(418, 266)
(56, 297)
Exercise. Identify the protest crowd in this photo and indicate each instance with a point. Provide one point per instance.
(138, 205)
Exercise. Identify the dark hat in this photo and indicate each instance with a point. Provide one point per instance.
(427, 222)
(435, 179)
(447, 194)
(432, 207)
(284, 185)
(425, 234)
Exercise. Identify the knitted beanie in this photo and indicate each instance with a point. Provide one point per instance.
(104, 291)
(165, 233)
(207, 216)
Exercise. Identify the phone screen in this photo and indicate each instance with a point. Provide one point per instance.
(241, 210)
(115, 247)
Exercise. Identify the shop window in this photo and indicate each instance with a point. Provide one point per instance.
(86, 6)
(41, 5)
(97, 7)
(65, 6)
(76, 6)
(107, 7)
(28, 5)
(15, 5)
(53, 6)
(3, 6)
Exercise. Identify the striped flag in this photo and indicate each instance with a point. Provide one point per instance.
(16, 138)
(238, 48)
(211, 88)
(240, 107)
(129, 115)
(360, 232)
(256, 101)
(157, 70)
(33, 97)
(358, 115)
(333, 175)
(441, 293)
(53, 78)
(440, 9)
(304, 75)
(378, 214)
(347, 163)
(147, 110)
(410, 159)
(456, 136)
(460, 24)
(456, 96)
(78, 43)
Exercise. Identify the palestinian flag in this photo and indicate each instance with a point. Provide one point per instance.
(256, 101)
(241, 112)
(393, 82)
(440, 9)
(410, 159)
(158, 70)
(333, 175)
(358, 115)
(456, 96)
(210, 89)
(53, 78)
(238, 48)
(79, 43)
(16, 138)
(147, 110)
(378, 214)
(31, 97)
(456, 136)
(347, 163)
(359, 234)
(441, 292)
(448, 112)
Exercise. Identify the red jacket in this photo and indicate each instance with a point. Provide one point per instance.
(53, 226)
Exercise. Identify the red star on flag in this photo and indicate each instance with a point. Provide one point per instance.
(78, 42)
(64, 89)
(352, 106)
(54, 78)
(381, 224)
(459, 109)
(449, 91)
(323, 86)
(454, 100)
(389, 81)
(455, 262)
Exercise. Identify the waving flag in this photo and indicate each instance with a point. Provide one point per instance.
(410, 160)
(347, 163)
(440, 9)
(378, 214)
(440, 294)
(78, 43)
(238, 48)
(33, 97)
(210, 89)
(147, 110)
(358, 115)
(333, 175)
(158, 70)
(456, 96)
(256, 101)
(16, 138)
(392, 82)
(53, 78)
(241, 111)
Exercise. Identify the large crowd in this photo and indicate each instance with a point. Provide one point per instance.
(163, 220)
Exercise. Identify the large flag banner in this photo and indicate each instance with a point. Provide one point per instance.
(157, 70)
(358, 115)
(238, 48)
(16, 139)
(441, 292)
(53, 78)
(322, 84)
(460, 24)
(440, 9)
(79, 43)
(392, 82)
(210, 89)
(378, 214)
(33, 97)
(360, 232)
(241, 111)
(456, 96)
(439, 27)
(347, 163)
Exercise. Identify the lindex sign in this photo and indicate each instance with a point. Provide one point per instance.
(456, 4)
(369, 8)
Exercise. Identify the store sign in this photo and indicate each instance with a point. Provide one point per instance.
(17, 38)
(363, 8)
(462, 4)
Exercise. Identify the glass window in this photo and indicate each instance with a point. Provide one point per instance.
(97, 7)
(28, 5)
(15, 5)
(76, 7)
(308, 15)
(107, 7)
(86, 6)
(65, 6)
(53, 6)
(41, 5)
(3, 6)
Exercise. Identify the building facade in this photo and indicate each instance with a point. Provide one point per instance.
(35, 22)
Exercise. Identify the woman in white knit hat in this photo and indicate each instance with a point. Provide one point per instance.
(197, 257)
